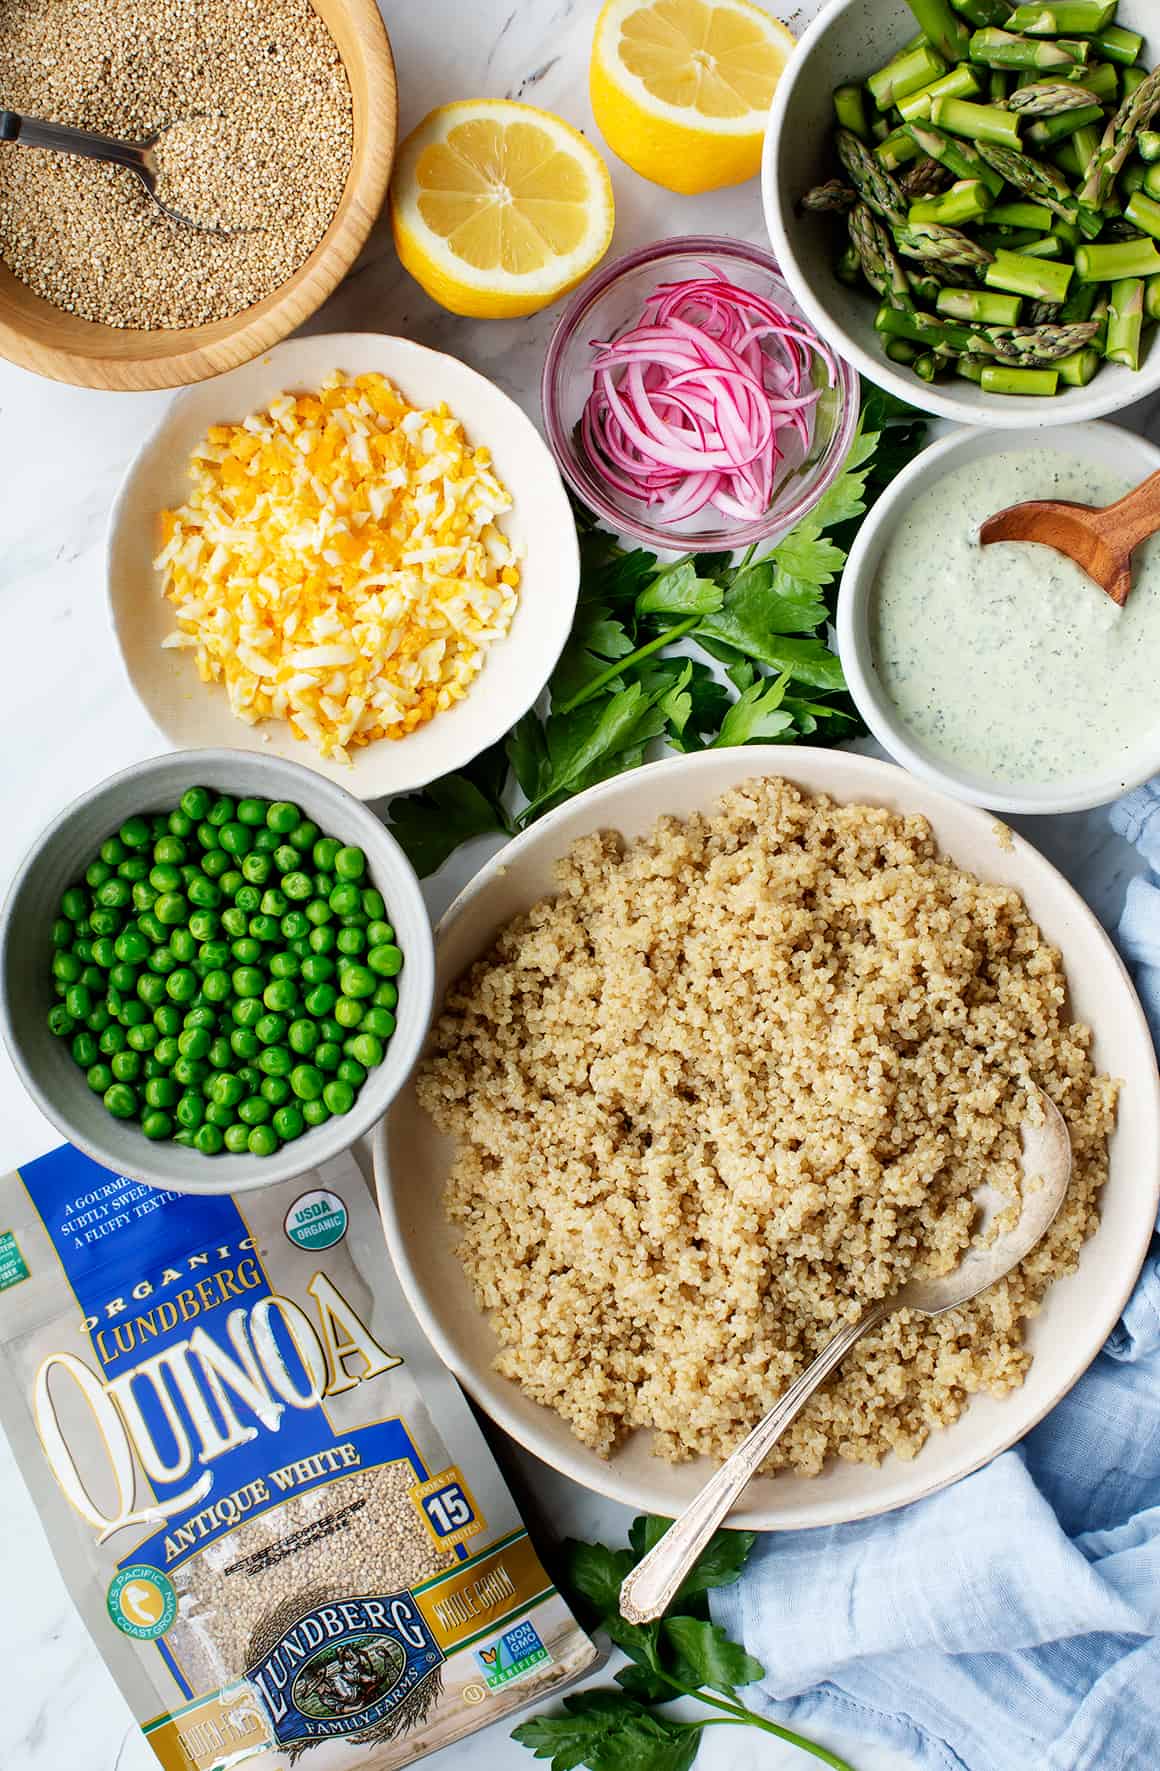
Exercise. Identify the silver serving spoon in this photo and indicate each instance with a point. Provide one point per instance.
(136, 157)
(653, 1583)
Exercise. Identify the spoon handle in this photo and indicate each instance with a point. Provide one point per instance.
(34, 132)
(652, 1585)
(1134, 517)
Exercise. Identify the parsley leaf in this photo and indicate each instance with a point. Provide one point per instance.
(757, 713)
(702, 1654)
(616, 1736)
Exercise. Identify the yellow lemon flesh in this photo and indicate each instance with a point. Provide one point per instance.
(681, 88)
(498, 208)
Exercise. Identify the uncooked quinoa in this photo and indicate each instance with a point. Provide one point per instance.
(256, 108)
(733, 1083)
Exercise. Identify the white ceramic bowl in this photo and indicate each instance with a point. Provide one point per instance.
(848, 41)
(1106, 444)
(44, 1063)
(411, 1158)
(191, 715)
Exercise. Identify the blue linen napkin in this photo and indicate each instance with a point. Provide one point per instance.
(1010, 1623)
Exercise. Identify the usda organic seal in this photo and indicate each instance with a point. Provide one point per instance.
(316, 1220)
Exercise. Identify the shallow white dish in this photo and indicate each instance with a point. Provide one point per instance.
(193, 715)
(1106, 444)
(847, 41)
(411, 1158)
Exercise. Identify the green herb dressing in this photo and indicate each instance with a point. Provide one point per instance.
(1007, 660)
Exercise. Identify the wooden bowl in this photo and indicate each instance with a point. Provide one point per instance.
(38, 336)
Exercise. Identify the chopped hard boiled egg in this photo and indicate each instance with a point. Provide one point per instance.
(339, 563)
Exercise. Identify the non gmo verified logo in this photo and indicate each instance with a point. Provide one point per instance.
(316, 1220)
(515, 1653)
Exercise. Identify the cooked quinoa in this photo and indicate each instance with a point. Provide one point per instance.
(734, 1082)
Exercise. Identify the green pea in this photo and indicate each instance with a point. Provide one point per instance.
(180, 823)
(248, 1011)
(323, 939)
(379, 934)
(208, 1139)
(181, 986)
(237, 1138)
(319, 912)
(329, 1031)
(216, 986)
(102, 922)
(379, 1021)
(113, 851)
(276, 1090)
(302, 1036)
(162, 1092)
(219, 1115)
(263, 1140)
(99, 1078)
(195, 1042)
(373, 905)
(183, 945)
(287, 859)
(204, 892)
(214, 954)
(126, 1066)
(165, 878)
(247, 980)
(254, 1111)
(348, 1012)
(252, 811)
(338, 1095)
(186, 1138)
(306, 1081)
(115, 894)
(170, 851)
(387, 995)
(328, 1055)
(345, 900)
(78, 1001)
(221, 812)
(315, 1112)
(350, 863)
(157, 1125)
(112, 1040)
(219, 867)
(265, 928)
(190, 1111)
(276, 1060)
(247, 898)
(274, 903)
(297, 887)
(247, 951)
(207, 836)
(321, 999)
(167, 1051)
(350, 1070)
(266, 842)
(96, 873)
(226, 1090)
(84, 1049)
(317, 969)
(257, 868)
(283, 817)
(244, 1043)
(75, 904)
(143, 1038)
(151, 1068)
(281, 996)
(200, 1014)
(135, 870)
(151, 989)
(150, 926)
(195, 803)
(351, 941)
(284, 965)
(120, 1101)
(190, 1072)
(289, 1122)
(62, 932)
(134, 1014)
(98, 1017)
(358, 980)
(220, 1054)
(61, 1022)
(170, 909)
(235, 838)
(161, 961)
(235, 922)
(271, 1029)
(323, 853)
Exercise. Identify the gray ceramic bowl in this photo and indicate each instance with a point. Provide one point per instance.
(46, 1067)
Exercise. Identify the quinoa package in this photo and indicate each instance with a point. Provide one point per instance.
(270, 1501)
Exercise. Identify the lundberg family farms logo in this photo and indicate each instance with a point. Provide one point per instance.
(228, 1366)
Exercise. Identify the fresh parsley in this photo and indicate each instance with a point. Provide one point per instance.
(630, 679)
(682, 1654)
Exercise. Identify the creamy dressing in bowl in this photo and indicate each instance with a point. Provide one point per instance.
(1007, 660)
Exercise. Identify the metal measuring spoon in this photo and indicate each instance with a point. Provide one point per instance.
(135, 157)
(653, 1583)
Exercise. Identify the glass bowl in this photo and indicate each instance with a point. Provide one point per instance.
(610, 302)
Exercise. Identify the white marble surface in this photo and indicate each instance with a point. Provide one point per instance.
(67, 719)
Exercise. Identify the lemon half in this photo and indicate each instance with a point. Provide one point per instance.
(681, 89)
(498, 208)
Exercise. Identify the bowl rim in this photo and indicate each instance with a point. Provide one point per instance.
(665, 540)
(1070, 405)
(320, 1143)
(495, 1396)
(1077, 793)
(189, 354)
(565, 551)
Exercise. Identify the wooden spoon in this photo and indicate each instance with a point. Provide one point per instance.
(1100, 542)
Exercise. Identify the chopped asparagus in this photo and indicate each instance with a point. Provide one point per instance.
(833, 197)
(978, 123)
(1081, 367)
(847, 269)
(961, 82)
(1152, 297)
(896, 149)
(1048, 130)
(1047, 98)
(1038, 383)
(900, 350)
(869, 177)
(965, 201)
(1046, 246)
(1119, 45)
(1002, 49)
(1020, 274)
(1151, 185)
(1012, 344)
(959, 157)
(850, 110)
(948, 33)
(880, 263)
(1132, 79)
(983, 12)
(1125, 323)
(931, 240)
(1079, 18)
(1119, 139)
(981, 305)
(905, 74)
(1116, 262)
(970, 368)
(1040, 182)
(1148, 145)
(1020, 215)
(931, 365)
(924, 179)
(1144, 212)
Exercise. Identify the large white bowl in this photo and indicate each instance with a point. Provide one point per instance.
(848, 40)
(1105, 444)
(411, 1158)
(540, 522)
